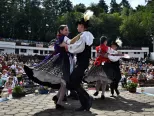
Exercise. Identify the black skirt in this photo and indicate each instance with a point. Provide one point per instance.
(51, 72)
(96, 73)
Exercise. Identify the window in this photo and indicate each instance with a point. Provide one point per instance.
(126, 52)
(138, 52)
(35, 51)
(23, 50)
(134, 52)
(16, 51)
(46, 52)
(41, 51)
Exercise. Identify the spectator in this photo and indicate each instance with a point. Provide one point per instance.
(4, 75)
(9, 84)
(123, 80)
(150, 76)
(1, 81)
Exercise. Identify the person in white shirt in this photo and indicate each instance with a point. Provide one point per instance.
(150, 76)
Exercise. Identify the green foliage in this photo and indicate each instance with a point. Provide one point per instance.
(131, 85)
(18, 90)
(103, 5)
(80, 8)
(39, 20)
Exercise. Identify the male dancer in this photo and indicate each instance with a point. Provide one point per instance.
(82, 48)
(117, 73)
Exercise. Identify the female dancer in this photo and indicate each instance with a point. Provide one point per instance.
(96, 72)
(57, 68)
(83, 50)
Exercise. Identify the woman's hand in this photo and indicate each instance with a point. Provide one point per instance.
(63, 44)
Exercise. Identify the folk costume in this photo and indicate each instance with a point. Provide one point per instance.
(54, 69)
(116, 70)
(82, 49)
(96, 72)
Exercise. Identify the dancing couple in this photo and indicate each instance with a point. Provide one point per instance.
(105, 69)
(60, 69)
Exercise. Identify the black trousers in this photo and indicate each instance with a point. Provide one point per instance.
(75, 83)
(114, 87)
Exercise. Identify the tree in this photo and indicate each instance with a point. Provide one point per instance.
(137, 27)
(103, 5)
(125, 3)
(65, 6)
(97, 10)
(80, 8)
(115, 7)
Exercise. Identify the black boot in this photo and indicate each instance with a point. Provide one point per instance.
(89, 103)
(55, 99)
(59, 107)
(96, 93)
(80, 109)
(102, 97)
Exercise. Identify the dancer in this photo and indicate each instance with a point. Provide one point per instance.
(96, 73)
(101, 50)
(103, 70)
(57, 68)
(117, 73)
(83, 50)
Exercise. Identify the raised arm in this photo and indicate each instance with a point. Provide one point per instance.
(68, 41)
(76, 38)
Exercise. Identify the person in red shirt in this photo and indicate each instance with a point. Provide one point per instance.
(134, 79)
(96, 72)
(101, 52)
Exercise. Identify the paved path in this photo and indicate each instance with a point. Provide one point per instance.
(127, 104)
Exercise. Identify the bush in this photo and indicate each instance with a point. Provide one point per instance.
(18, 92)
(18, 89)
(131, 85)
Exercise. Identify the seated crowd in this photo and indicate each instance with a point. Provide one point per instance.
(136, 72)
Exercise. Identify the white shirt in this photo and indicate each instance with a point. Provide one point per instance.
(85, 39)
(13, 67)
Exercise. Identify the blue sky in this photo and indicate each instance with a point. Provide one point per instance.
(133, 3)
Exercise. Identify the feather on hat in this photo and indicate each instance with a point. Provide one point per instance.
(117, 42)
(86, 17)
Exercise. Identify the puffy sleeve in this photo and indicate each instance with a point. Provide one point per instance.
(77, 47)
(85, 39)
(88, 38)
(113, 58)
(67, 40)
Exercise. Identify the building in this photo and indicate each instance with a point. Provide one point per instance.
(24, 48)
(39, 49)
(141, 52)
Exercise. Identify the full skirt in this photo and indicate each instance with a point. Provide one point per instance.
(47, 73)
(97, 73)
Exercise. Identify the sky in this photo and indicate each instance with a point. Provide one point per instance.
(134, 3)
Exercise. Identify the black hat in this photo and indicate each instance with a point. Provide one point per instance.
(85, 20)
(118, 43)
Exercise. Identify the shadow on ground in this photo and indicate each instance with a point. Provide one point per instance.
(121, 103)
(54, 112)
